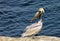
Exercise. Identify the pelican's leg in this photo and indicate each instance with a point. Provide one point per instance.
(35, 36)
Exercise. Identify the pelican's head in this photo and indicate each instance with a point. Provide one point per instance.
(39, 13)
(41, 10)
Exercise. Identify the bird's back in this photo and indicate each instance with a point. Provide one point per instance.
(33, 29)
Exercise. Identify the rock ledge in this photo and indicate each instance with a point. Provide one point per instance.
(35, 38)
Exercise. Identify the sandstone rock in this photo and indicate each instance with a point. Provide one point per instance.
(34, 38)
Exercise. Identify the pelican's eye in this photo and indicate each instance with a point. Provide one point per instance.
(39, 11)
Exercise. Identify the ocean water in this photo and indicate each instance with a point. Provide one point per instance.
(14, 16)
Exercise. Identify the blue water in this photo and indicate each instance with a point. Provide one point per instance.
(14, 16)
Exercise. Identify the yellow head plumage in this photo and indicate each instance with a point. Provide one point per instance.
(41, 10)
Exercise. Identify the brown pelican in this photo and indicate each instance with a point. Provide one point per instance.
(35, 27)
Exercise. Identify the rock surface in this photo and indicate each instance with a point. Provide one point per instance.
(35, 38)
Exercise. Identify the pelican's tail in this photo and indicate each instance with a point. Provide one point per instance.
(23, 35)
